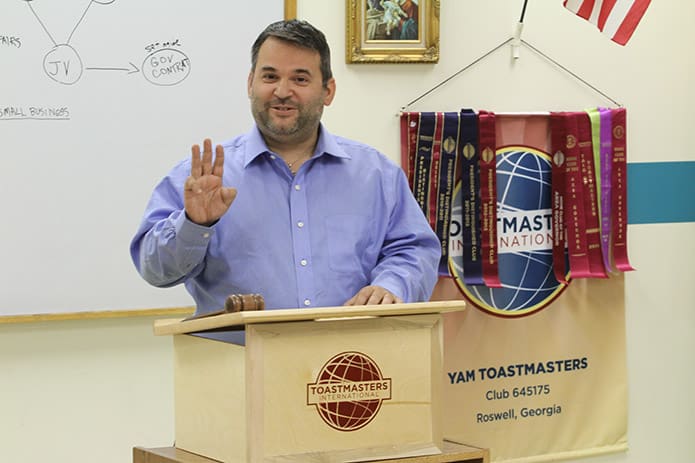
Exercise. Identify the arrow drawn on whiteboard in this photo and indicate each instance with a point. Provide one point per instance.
(130, 70)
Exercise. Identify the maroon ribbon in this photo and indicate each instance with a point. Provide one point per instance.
(488, 197)
(619, 191)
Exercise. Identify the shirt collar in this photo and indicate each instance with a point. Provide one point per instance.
(326, 144)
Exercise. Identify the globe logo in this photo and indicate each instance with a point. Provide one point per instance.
(524, 237)
(349, 391)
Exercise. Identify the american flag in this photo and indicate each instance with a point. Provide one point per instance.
(615, 18)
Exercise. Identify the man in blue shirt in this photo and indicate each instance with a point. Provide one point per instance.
(289, 211)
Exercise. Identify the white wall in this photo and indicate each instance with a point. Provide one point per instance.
(78, 391)
(91, 389)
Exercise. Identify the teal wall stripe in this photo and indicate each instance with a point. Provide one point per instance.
(660, 192)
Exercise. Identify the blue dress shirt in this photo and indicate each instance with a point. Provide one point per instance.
(346, 220)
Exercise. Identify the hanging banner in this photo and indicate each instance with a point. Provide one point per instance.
(534, 370)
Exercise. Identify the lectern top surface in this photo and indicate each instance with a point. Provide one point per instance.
(181, 326)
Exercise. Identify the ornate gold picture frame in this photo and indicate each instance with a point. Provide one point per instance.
(290, 7)
(392, 31)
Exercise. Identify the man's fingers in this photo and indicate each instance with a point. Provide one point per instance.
(373, 295)
(203, 164)
(360, 298)
(357, 299)
(218, 167)
(196, 166)
(383, 296)
(390, 298)
(376, 297)
(207, 157)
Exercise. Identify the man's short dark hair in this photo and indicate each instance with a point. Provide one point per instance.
(299, 33)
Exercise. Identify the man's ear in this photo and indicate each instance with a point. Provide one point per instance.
(329, 92)
(249, 81)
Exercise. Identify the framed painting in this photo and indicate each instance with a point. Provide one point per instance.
(290, 8)
(392, 31)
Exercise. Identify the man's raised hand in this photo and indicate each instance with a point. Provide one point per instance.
(205, 198)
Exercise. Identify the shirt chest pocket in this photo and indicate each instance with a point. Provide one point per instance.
(351, 243)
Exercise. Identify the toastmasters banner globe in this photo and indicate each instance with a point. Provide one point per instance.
(524, 236)
(534, 370)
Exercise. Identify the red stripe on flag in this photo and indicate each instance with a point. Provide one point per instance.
(632, 19)
(586, 9)
(609, 13)
(606, 8)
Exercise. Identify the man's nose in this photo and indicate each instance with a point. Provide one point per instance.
(283, 89)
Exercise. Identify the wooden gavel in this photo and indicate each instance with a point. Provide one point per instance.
(236, 303)
(243, 302)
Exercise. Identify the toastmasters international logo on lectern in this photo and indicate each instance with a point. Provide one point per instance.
(348, 391)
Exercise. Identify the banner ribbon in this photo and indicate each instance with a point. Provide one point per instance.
(447, 179)
(574, 211)
(488, 197)
(592, 228)
(619, 193)
(470, 191)
(558, 142)
(422, 168)
(606, 155)
(410, 125)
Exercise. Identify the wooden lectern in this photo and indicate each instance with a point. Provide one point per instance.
(350, 383)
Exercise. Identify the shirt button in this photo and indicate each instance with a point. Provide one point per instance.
(206, 235)
(297, 187)
(303, 262)
(272, 156)
(307, 301)
(300, 224)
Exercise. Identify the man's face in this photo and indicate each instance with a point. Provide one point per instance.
(286, 91)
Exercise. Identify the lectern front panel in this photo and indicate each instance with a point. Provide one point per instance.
(337, 385)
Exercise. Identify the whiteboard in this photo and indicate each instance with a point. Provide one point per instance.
(98, 100)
